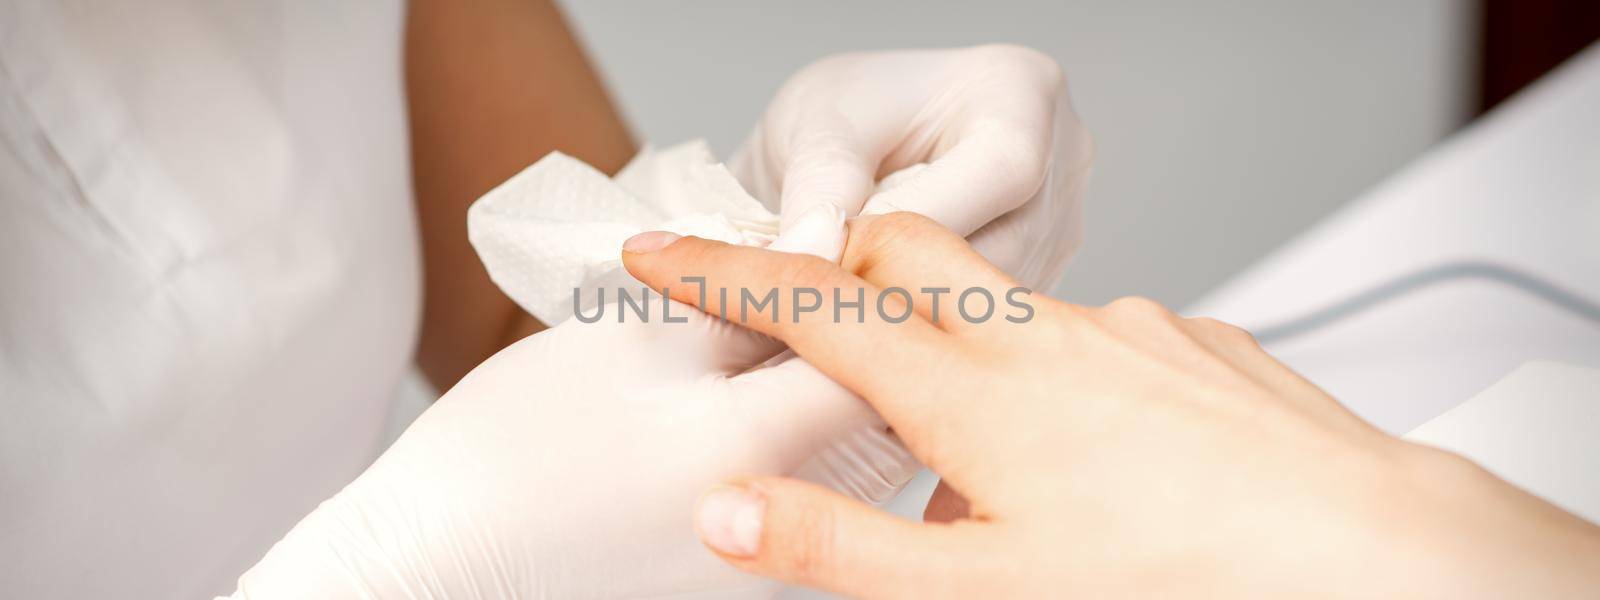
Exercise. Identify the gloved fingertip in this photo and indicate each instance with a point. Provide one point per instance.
(879, 207)
(819, 231)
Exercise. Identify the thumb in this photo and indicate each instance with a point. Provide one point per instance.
(985, 175)
(826, 164)
(803, 534)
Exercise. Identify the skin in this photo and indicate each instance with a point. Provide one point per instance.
(492, 86)
(1110, 451)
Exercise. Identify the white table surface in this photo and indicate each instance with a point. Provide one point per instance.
(1536, 429)
(1519, 188)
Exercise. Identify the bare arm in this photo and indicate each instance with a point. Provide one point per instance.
(493, 85)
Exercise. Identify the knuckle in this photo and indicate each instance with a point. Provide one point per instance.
(809, 75)
(804, 271)
(816, 79)
(897, 227)
(874, 240)
(1138, 307)
(1028, 61)
(1013, 54)
(1224, 330)
(834, 62)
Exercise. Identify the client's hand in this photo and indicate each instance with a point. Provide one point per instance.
(566, 467)
(1116, 451)
(1007, 158)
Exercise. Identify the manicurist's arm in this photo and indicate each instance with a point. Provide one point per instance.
(493, 85)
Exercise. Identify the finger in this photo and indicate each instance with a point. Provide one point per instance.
(846, 445)
(802, 310)
(752, 166)
(987, 173)
(945, 505)
(715, 343)
(950, 284)
(1238, 348)
(802, 534)
(693, 341)
(826, 163)
(891, 363)
(819, 232)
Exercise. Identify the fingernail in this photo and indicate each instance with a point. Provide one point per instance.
(728, 519)
(649, 241)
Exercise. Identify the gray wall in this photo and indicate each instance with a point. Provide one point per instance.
(1223, 128)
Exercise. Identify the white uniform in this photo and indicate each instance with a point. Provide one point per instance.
(208, 281)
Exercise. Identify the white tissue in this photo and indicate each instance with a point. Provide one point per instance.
(559, 224)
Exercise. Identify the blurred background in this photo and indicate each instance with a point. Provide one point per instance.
(1222, 128)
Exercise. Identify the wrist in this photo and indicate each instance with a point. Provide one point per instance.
(1466, 533)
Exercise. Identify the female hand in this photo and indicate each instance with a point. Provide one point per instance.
(1114, 451)
(1007, 159)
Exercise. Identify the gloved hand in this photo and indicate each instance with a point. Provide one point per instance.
(1008, 158)
(566, 465)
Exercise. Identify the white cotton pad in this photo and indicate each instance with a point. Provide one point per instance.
(558, 226)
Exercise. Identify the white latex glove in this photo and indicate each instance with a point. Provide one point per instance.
(567, 465)
(1008, 159)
